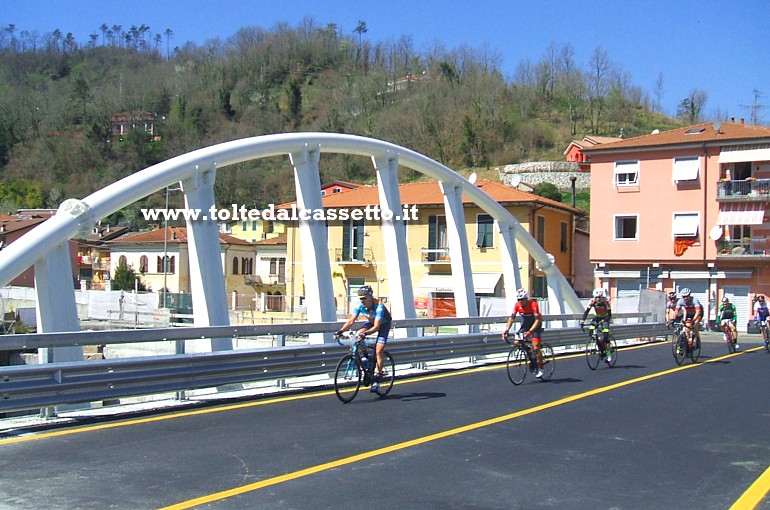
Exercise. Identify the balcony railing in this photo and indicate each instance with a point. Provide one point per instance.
(272, 279)
(752, 189)
(752, 247)
(365, 256)
(435, 255)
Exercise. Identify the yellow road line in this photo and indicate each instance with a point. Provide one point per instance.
(755, 493)
(242, 405)
(422, 440)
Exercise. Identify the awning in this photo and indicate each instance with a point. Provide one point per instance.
(744, 153)
(746, 213)
(483, 283)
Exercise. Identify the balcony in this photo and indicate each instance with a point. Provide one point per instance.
(364, 257)
(435, 255)
(746, 190)
(272, 279)
(755, 248)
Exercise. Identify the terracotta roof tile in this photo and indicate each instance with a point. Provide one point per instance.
(176, 235)
(279, 239)
(427, 193)
(728, 133)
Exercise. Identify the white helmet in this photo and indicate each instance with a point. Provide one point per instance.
(598, 293)
(685, 292)
(522, 294)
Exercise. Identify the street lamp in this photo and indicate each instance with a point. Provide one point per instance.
(165, 248)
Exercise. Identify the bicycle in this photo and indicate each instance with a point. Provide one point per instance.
(765, 334)
(682, 350)
(594, 354)
(522, 359)
(678, 328)
(357, 368)
(728, 335)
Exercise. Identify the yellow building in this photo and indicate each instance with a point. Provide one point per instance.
(357, 251)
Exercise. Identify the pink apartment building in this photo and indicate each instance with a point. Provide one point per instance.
(684, 208)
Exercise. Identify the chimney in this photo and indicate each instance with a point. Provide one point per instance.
(741, 121)
(732, 119)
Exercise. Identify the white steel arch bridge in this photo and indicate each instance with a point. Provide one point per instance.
(46, 245)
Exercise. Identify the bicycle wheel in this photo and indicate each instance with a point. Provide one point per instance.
(347, 378)
(549, 361)
(592, 354)
(612, 351)
(385, 382)
(695, 350)
(518, 365)
(729, 341)
(680, 350)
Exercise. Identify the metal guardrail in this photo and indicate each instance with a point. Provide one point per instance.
(26, 387)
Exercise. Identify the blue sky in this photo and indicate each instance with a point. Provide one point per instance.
(720, 47)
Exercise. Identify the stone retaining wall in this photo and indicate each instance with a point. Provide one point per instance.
(556, 172)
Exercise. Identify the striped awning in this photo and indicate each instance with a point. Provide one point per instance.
(744, 153)
(747, 213)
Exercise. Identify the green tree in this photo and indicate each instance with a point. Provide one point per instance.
(124, 279)
(547, 190)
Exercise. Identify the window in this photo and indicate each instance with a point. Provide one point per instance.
(626, 227)
(686, 224)
(539, 287)
(626, 173)
(484, 230)
(686, 169)
(438, 248)
(564, 238)
(540, 233)
(143, 264)
(235, 265)
(123, 261)
(353, 240)
(169, 264)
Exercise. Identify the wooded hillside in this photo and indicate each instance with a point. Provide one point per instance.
(452, 104)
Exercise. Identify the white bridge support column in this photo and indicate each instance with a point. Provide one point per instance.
(56, 307)
(459, 255)
(319, 292)
(394, 236)
(207, 280)
(510, 261)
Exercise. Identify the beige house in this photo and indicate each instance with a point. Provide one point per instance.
(357, 251)
(146, 251)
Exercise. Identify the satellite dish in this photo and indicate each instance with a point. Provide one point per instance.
(717, 125)
(515, 180)
(473, 178)
(716, 232)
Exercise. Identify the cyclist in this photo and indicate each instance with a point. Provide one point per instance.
(761, 311)
(671, 316)
(602, 318)
(693, 313)
(727, 317)
(378, 320)
(531, 324)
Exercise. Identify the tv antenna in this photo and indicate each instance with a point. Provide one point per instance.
(754, 108)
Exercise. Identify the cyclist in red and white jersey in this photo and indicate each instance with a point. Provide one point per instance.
(693, 314)
(531, 325)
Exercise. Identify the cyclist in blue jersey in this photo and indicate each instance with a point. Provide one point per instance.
(693, 313)
(378, 320)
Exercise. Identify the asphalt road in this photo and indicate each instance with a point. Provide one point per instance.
(642, 435)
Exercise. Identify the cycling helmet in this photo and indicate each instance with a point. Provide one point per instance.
(364, 291)
(725, 300)
(598, 293)
(671, 295)
(685, 292)
(522, 294)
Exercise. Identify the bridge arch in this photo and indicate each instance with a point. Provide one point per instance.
(46, 245)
